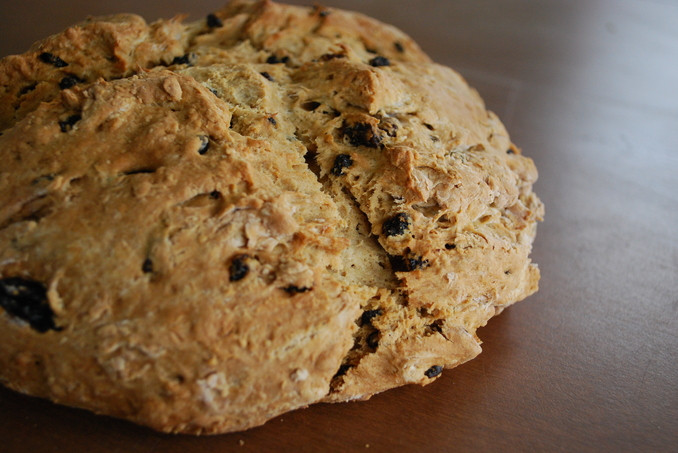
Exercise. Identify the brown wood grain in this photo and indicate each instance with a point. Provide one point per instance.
(589, 90)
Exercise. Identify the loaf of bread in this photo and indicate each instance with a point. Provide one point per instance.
(205, 225)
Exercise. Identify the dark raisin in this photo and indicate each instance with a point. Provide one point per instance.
(27, 89)
(399, 47)
(184, 59)
(379, 61)
(362, 134)
(213, 21)
(373, 339)
(434, 371)
(238, 268)
(67, 124)
(332, 56)
(52, 59)
(507, 272)
(204, 144)
(296, 290)
(27, 300)
(272, 121)
(69, 81)
(310, 106)
(510, 151)
(215, 195)
(267, 76)
(368, 315)
(147, 266)
(275, 60)
(396, 225)
(414, 264)
(407, 264)
(321, 11)
(214, 92)
(450, 246)
(340, 162)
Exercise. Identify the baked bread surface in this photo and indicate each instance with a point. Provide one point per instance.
(205, 225)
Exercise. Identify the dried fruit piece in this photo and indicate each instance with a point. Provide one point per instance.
(379, 61)
(362, 134)
(147, 266)
(239, 268)
(396, 225)
(27, 300)
(433, 371)
(213, 21)
(52, 59)
(69, 81)
(275, 60)
(340, 162)
(407, 264)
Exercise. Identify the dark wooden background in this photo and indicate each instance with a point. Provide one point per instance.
(589, 89)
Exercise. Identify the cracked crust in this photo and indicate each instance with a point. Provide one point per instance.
(295, 205)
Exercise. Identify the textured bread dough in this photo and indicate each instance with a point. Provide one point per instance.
(107, 47)
(237, 217)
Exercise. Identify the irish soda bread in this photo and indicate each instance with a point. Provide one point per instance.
(205, 225)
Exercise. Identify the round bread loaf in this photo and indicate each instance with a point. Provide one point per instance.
(205, 225)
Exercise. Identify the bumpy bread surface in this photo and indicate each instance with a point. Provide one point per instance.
(241, 216)
(107, 47)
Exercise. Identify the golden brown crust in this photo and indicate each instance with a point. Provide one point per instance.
(301, 208)
(105, 47)
(134, 237)
(253, 31)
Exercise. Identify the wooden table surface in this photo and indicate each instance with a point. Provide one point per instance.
(589, 90)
